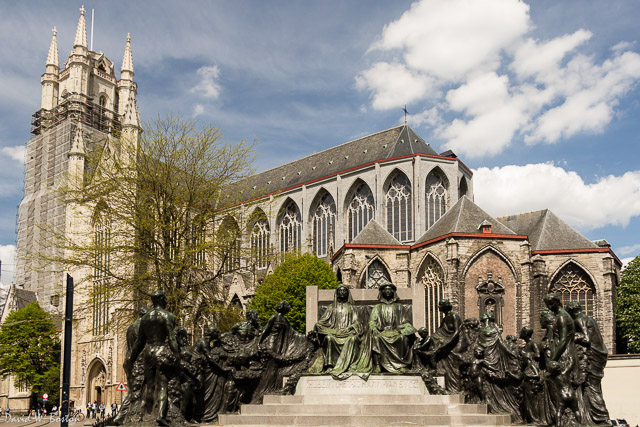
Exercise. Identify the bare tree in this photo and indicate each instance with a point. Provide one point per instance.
(148, 216)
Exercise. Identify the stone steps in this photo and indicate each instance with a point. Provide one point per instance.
(380, 401)
(373, 399)
(364, 420)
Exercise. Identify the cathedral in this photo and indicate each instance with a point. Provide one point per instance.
(84, 106)
(386, 206)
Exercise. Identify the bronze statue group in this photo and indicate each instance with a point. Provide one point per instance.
(552, 382)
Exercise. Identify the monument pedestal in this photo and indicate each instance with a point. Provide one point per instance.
(382, 400)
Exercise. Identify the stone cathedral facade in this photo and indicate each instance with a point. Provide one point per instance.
(386, 206)
(389, 207)
(84, 107)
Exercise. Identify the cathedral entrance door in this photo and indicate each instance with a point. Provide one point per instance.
(96, 382)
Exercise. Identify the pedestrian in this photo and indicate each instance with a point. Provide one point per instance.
(94, 409)
(88, 410)
(8, 411)
(102, 408)
(115, 408)
(54, 410)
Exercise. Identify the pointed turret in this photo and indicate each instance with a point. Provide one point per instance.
(76, 160)
(77, 145)
(131, 117)
(80, 41)
(127, 61)
(50, 77)
(53, 59)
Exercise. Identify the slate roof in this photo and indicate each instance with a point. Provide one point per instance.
(23, 298)
(395, 142)
(464, 217)
(547, 232)
(374, 234)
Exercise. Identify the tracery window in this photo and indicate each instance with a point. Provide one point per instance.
(260, 242)
(361, 210)
(432, 278)
(436, 197)
(229, 244)
(102, 265)
(573, 284)
(399, 208)
(375, 275)
(291, 229)
(197, 243)
(324, 223)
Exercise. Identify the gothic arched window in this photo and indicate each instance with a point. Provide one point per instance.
(197, 243)
(436, 197)
(432, 278)
(573, 284)
(291, 229)
(324, 224)
(101, 268)
(229, 244)
(464, 188)
(361, 210)
(399, 208)
(260, 241)
(375, 275)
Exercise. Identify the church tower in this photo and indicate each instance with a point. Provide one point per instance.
(83, 107)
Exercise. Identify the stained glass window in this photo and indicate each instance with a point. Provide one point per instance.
(324, 223)
(399, 208)
(375, 275)
(573, 284)
(361, 210)
(432, 278)
(291, 229)
(436, 197)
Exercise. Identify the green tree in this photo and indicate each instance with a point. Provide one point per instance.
(30, 350)
(628, 305)
(289, 282)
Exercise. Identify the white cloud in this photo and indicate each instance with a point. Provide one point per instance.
(8, 258)
(625, 262)
(430, 117)
(452, 38)
(590, 93)
(17, 153)
(208, 87)
(629, 250)
(393, 85)
(499, 84)
(515, 189)
(197, 110)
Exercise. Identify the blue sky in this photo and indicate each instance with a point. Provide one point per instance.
(539, 98)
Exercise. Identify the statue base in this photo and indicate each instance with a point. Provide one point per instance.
(375, 384)
(382, 400)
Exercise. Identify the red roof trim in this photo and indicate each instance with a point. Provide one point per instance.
(472, 235)
(437, 239)
(349, 170)
(364, 246)
(578, 251)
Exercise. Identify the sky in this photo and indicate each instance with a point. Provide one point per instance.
(539, 99)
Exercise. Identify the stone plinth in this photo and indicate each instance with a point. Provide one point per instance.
(383, 400)
(376, 384)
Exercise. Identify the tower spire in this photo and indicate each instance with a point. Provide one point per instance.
(53, 58)
(81, 31)
(127, 61)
